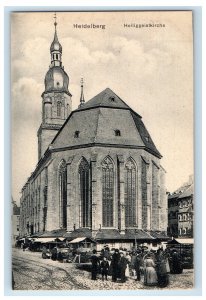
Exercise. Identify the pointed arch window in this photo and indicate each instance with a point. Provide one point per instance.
(107, 192)
(144, 194)
(130, 193)
(85, 199)
(59, 105)
(63, 194)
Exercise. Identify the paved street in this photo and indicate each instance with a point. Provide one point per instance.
(31, 272)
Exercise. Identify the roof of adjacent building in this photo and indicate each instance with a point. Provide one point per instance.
(187, 192)
(183, 192)
(97, 121)
(80, 232)
(16, 210)
(115, 234)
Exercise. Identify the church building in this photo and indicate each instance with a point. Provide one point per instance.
(98, 170)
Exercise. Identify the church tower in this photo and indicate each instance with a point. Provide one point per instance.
(56, 98)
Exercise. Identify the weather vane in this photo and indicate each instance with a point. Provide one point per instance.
(55, 18)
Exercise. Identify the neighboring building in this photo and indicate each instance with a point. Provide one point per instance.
(186, 214)
(173, 209)
(15, 223)
(180, 212)
(99, 172)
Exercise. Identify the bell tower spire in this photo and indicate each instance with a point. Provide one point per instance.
(56, 98)
(56, 47)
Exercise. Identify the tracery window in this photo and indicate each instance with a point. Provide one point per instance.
(85, 199)
(63, 194)
(130, 193)
(144, 194)
(107, 192)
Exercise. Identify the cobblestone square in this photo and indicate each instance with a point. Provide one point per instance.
(31, 272)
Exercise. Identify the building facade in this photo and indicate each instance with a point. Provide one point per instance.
(186, 213)
(15, 223)
(98, 167)
(180, 212)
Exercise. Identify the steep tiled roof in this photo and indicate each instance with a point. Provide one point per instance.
(144, 134)
(97, 120)
(106, 98)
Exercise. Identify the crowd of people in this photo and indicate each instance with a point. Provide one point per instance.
(151, 267)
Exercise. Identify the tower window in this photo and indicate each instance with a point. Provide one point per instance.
(117, 132)
(76, 134)
(59, 109)
(56, 56)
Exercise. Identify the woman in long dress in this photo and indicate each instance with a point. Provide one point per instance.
(150, 275)
(162, 270)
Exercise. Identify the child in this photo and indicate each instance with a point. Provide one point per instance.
(104, 268)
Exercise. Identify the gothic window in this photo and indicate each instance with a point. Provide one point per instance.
(59, 105)
(155, 196)
(85, 199)
(107, 192)
(45, 208)
(130, 193)
(144, 194)
(63, 194)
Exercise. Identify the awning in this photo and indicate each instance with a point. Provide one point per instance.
(61, 239)
(44, 240)
(185, 241)
(181, 241)
(78, 240)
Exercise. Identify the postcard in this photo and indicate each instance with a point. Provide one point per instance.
(102, 150)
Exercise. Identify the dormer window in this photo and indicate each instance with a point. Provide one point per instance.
(117, 132)
(112, 98)
(76, 134)
(147, 138)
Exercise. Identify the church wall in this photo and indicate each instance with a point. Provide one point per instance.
(96, 155)
(33, 206)
(163, 202)
(45, 139)
(155, 197)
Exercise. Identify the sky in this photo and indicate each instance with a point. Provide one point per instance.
(150, 68)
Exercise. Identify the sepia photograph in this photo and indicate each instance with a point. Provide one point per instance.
(102, 150)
